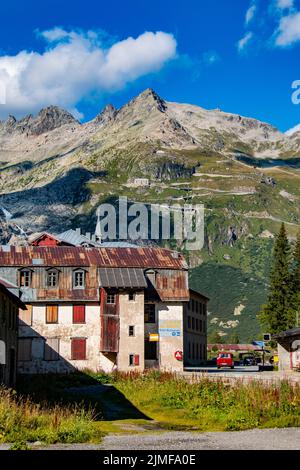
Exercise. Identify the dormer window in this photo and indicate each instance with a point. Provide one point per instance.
(25, 277)
(52, 278)
(79, 279)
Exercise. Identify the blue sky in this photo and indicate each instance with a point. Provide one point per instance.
(241, 56)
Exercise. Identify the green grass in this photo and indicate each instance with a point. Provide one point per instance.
(163, 401)
(24, 420)
(213, 406)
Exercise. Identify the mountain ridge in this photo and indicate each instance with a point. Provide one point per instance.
(175, 125)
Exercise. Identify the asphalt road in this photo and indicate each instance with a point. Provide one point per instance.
(227, 370)
(255, 439)
(264, 439)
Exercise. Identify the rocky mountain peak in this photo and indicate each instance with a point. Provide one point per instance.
(10, 123)
(107, 114)
(46, 120)
(50, 118)
(149, 99)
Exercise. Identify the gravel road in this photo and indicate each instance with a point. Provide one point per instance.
(262, 439)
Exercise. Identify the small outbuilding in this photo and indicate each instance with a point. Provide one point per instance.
(289, 349)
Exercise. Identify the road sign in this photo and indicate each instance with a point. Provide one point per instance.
(261, 344)
(267, 337)
(178, 355)
(153, 337)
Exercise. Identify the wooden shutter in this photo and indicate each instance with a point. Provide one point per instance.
(24, 349)
(52, 314)
(78, 313)
(136, 360)
(51, 352)
(78, 349)
(25, 316)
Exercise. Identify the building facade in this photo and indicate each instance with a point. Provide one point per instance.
(101, 308)
(289, 350)
(9, 307)
(195, 329)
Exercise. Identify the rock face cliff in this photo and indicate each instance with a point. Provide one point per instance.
(148, 137)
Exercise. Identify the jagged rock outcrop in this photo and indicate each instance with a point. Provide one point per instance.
(47, 120)
(107, 115)
(50, 118)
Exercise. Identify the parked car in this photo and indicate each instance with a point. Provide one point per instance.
(249, 361)
(225, 359)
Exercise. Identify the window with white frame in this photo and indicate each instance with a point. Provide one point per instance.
(52, 278)
(111, 298)
(25, 278)
(79, 279)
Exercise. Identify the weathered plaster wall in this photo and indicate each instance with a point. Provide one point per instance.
(131, 313)
(289, 356)
(284, 357)
(64, 330)
(168, 345)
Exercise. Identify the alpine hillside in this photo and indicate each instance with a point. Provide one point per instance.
(54, 172)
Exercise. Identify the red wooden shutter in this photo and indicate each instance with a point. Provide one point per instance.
(78, 349)
(136, 360)
(78, 313)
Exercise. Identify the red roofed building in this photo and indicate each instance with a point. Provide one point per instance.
(99, 308)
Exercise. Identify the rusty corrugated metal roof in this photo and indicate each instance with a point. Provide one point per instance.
(122, 277)
(173, 295)
(145, 257)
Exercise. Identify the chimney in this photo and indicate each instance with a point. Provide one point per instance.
(88, 235)
(78, 231)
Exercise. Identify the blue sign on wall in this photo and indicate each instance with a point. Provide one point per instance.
(169, 332)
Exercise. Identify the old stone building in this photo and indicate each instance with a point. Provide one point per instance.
(104, 308)
(9, 305)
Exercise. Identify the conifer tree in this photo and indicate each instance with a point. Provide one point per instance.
(277, 313)
(295, 285)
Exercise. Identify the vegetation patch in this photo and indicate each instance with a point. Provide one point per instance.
(151, 401)
(211, 405)
(23, 420)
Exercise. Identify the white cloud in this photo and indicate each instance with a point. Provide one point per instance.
(243, 43)
(76, 65)
(293, 130)
(288, 31)
(250, 14)
(284, 4)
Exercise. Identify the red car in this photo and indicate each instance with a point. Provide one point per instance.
(225, 359)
